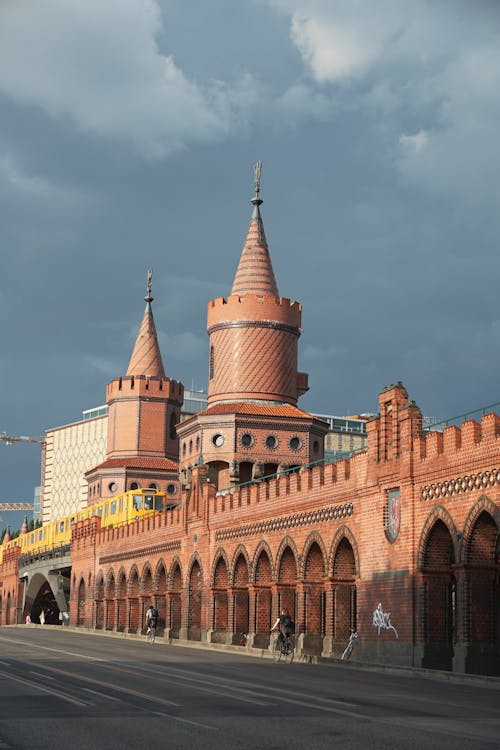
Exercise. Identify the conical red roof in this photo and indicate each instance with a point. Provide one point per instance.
(255, 273)
(146, 357)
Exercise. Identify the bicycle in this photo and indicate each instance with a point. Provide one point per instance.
(353, 639)
(284, 648)
(151, 634)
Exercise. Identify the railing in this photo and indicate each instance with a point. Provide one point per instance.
(330, 458)
(46, 553)
(460, 417)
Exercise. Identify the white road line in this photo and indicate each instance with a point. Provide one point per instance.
(102, 695)
(39, 674)
(185, 721)
(5, 664)
(37, 685)
(119, 688)
(56, 650)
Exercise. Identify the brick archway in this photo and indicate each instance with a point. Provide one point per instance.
(220, 584)
(438, 595)
(241, 577)
(482, 591)
(263, 578)
(80, 603)
(110, 594)
(344, 600)
(175, 593)
(194, 613)
(99, 601)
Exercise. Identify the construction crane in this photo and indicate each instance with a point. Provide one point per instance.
(9, 439)
(15, 506)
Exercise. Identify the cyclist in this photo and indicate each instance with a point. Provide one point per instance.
(151, 617)
(283, 625)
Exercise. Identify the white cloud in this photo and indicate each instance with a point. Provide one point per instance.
(416, 142)
(98, 64)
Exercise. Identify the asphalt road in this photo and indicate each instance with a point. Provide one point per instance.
(65, 689)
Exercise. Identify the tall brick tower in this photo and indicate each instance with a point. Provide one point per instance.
(144, 409)
(252, 426)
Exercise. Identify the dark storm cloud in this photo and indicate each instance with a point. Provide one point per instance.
(127, 135)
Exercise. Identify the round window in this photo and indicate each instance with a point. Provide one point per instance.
(112, 486)
(152, 486)
(218, 440)
(170, 489)
(271, 442)
(134, 486)
(295, 443)
(246, 440)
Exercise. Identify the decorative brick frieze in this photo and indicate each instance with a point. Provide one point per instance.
(143, 552)
(459, 485)
(334, 512)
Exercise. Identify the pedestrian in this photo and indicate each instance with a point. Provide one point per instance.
(28, 619)
(60, 618)
(42, 617)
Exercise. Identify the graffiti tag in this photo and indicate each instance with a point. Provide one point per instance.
(382, 620)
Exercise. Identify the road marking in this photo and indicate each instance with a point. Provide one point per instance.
(45, 676)
(102, 695)
(259, 689)
(57, 693)
(185, 721)
(57, 650)
(5, 664)
(119, 688)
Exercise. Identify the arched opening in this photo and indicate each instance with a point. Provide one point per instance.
(134, 622)
(80, 604)
(438, 598)
(176, 602)
(99, 603)
(482, 613)
(161, 602)
(344, 593)
(218, 473)
(110, 603)
(121, 593)
(263, 604)
(42, 601)
(194, 609)
(246, 468)
(220, 608)
(314, 609)
(270, 469)
(241, 600)
(287, 579)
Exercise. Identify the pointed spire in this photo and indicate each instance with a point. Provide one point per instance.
(146, 357)
(24, 527)
(6, 537)
(255, 273)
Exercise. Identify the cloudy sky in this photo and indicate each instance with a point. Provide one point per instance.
(128, 130)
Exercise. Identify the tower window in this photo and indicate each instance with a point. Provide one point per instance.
(271, 442)
(295, 443)
(173, 422)
(218, 440)
(212, 362)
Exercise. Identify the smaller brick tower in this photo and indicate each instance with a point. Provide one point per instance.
(144, 409)
(252, 426)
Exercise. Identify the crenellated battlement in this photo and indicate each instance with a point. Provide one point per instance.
(254, 307)
(471, 438)
(143, 385)
(309, 486)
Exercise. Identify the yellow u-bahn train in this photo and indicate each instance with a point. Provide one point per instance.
(113, 511)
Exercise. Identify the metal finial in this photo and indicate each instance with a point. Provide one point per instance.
(257, 170)
(148, 297)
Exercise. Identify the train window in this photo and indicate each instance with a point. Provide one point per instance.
(71, 521)
(149, 502)
(120, 505)
(61, 527)
(137, 500)
(99, 511)
(158, 503)
(39, 536)
(112, 508)
(152, 486)
(32, 538)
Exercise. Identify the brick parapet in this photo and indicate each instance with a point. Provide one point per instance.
(144, 386)
(254, 307)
